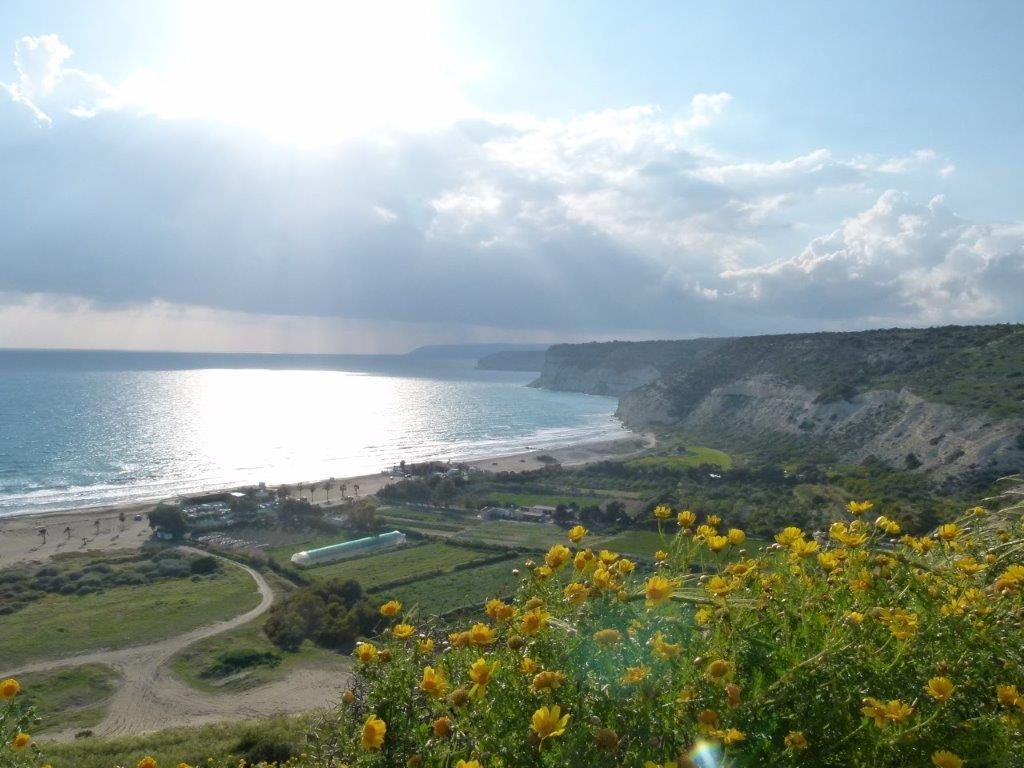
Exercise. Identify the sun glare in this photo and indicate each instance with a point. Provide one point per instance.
(312, 73)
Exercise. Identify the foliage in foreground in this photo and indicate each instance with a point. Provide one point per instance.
(859, 647)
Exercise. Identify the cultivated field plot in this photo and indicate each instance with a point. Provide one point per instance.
(693, 456)
(540, 499)
(58, 625)
(398, 563)
(458, 589)
(635, 543)
(430, 522)
(510, 533)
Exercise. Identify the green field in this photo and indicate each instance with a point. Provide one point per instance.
(71, 698)
(545, 500)
(636, 543)
(221, 742)
(58, 625)
(510, 533)
(459, 589)
(195, 664)
(397, 564)
(694, 456)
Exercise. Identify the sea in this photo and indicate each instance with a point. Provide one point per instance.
(81, 429)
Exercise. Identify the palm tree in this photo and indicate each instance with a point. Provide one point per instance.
(42, 533)
(355, 487)
(284, 491)
(343, 487)
(328, 484)
(300, 487)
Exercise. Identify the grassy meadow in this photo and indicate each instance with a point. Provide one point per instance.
(60, 625)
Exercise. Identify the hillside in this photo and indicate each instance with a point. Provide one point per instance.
(615, 367)
(949, 399)
(513, 360)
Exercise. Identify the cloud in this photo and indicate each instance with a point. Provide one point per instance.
(617, 222)
(896, 262)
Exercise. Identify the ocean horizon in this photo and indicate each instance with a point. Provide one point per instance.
(81, 429)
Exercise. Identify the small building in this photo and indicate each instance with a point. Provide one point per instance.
(531, 515)
(498, 513)
(345, 549)
(538, 510)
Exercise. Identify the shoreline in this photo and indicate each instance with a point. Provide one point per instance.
(100, 528)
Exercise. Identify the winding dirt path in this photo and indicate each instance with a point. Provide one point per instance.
(149, 697)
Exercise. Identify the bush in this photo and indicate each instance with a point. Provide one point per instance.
(863, 647)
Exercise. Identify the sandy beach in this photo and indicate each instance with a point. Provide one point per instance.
(76, 530)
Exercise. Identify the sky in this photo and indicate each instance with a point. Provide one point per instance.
(369, 177)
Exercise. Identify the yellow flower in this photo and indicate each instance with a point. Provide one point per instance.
(887, 525)
(433, 683)
(366, 652)
(796, 740)
(661, 555)
(730, 736)
(718, 669)
(635, 675)
(607, 637)
(686, 519)
(441, 727)
(658, 589)
(468, 764)
(390, 608)
(788, 535)
(736, 536)
(663, 512)
(704, 615)
(373, 732)
(21, 741)
(663, 649)
(146, 762)
(607, 557)
(944, 759)
(481, 634)
(549, 722)
(949, 531)
(180, 765)
(576, 593)
(969, 566)
(803, 548)
(853, 535)
(625, 566)
(829, 561)
(499, 610)
(714, 520)
(459, 639)
(541, 572)
(402, 631)
(718, 586)
(584, 560)
(527, 666)
(1009, 696)
(940, 688)
(858, 507)
(717, 543)
(534, 621)
(481, 673)
(425, 646)
(885, 713)
(902, 624)
(9, 688)
(854, 617)
(576, 534)
(546, 681)
(557, 556)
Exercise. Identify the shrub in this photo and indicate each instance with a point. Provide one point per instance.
(861, 647)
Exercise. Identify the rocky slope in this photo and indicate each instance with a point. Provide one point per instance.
(947, 400)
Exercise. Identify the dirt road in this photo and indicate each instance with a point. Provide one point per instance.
(150, 698)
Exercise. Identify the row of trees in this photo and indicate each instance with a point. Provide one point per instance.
(284, 491)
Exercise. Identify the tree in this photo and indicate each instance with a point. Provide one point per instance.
(328, 485)
(343, 487)
(355, 487)
(283, 491)
(169, 519)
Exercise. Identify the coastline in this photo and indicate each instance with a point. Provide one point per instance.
(21, 542)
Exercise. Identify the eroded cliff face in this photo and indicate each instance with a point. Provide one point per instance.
(890, 425)
(599, 380)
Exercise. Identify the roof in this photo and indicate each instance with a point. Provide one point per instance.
(391, 538)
